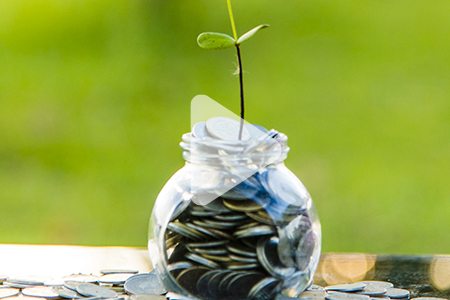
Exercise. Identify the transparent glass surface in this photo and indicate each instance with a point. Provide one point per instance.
(234, 223)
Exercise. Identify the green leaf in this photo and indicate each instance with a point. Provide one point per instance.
(215, 41)
(250, 33)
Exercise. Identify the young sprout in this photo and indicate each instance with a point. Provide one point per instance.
(217, 41)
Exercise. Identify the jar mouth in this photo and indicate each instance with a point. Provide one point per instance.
(257, 153)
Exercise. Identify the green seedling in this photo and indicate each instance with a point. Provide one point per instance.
(217, 41)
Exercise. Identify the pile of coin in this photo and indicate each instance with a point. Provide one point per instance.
(112, 284)
(245, 241)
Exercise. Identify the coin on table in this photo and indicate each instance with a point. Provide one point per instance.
(226, 129)
(345, 296)
(373, 291)
(8, 292)
(92, 290)
(41, 292)
(315, 287)
(378, 284)
(25, 281)
(144, 284)
(89, 278)
(72, 285)
(115, 271)
(66, 293)
(3, 278)
(147, 297)
(395, 293)
(115, 278)
(313, 294)
(428, 298)
(348, 287)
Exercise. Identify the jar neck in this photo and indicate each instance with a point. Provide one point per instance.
(251, 154)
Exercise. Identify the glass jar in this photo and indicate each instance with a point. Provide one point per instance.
(234, 223)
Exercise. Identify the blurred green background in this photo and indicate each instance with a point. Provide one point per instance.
(95, 95)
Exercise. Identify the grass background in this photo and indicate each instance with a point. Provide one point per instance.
(95, 95)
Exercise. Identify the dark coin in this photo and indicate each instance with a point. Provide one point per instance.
(213, 283)
(202, 284)
(264, 289)
(144, 284)
(188, 278)
(240, 249)
(210, 251)
(185, 231)
(240, 285)
(267, 251)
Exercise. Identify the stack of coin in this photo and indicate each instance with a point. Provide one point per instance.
(251, 238)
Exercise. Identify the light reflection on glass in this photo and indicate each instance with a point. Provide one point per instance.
(337, 269)
(439, 272)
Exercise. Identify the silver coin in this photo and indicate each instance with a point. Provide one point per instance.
(115, 278)
(92, 290)
(217, 224)
(239, 266)
(378, 284)
(261, 216)
(267, 251)
(255, 231)
(207, 244)
(66, 293)
(348, 287)
(345, 296)
(25, 281)
(179, 266)
(209, 251)
(226, 129)
(72, 285)
(116, 271)
(244, 259)
(8, 292)
(16, 285)
(230, 217)
(256, 131)
(41, 292)
(3, 278)
(241, 249)
(243, 205)
(199, 131)
(185, 231)
(395, 293)
(202, 260)
(264, 289)
(372, 291)
(217, 258)
(144, 284)
(221, 234)
(202, 230)
(89, 278)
